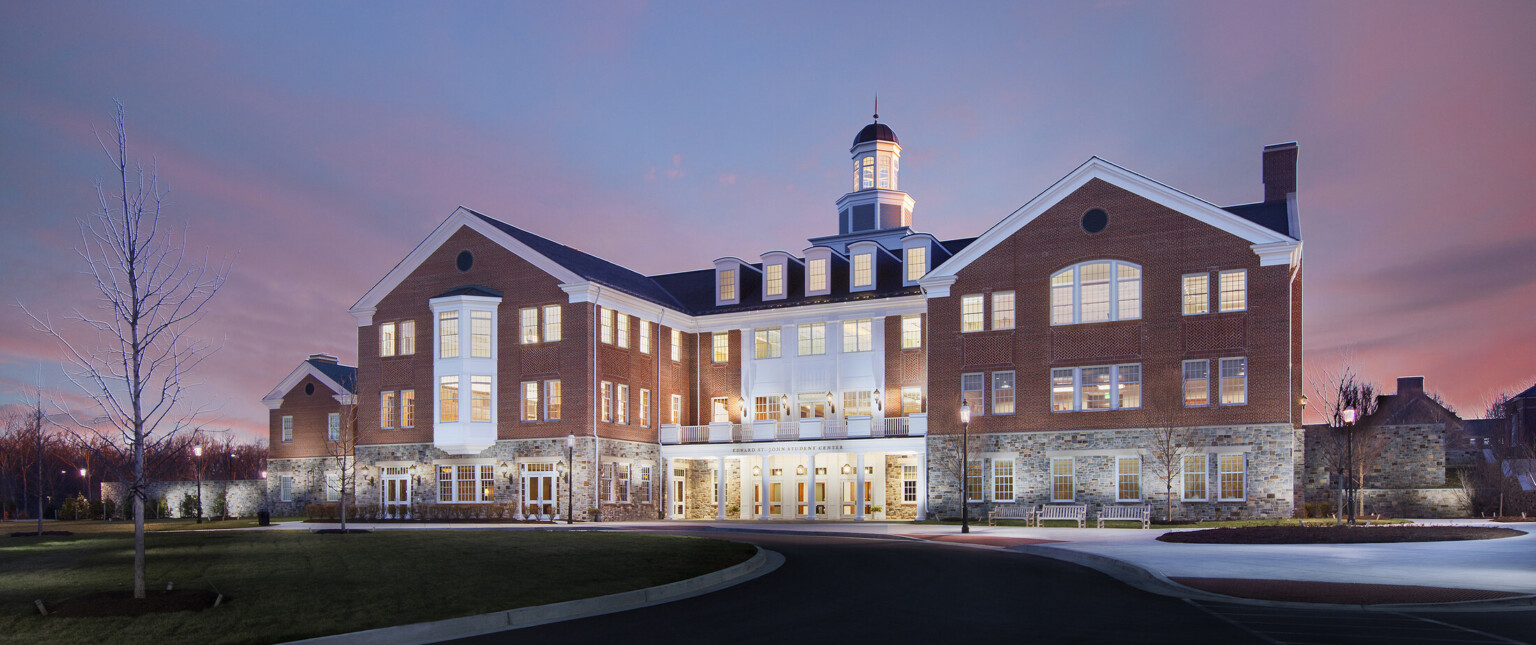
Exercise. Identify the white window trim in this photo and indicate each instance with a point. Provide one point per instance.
(777, 259)
(1012, 485)
(1139, 483)
(822, 254)
(285, 488)
(1013, 310)
(1072, 475)
(548, 398)
(1184, 383)
(983, 299)
(1219, 274)
(981, 483)
(676, 409)
(333, 425)
(391, 332)
(1187, 276)
(1205, 474)
(675, 352)
(1220, 381)
(1015, 389)
(906, 268)
(286, 432)
(855, 250)
(1077, 389)
(1077, 292)
(978, 408)
(1221, 488)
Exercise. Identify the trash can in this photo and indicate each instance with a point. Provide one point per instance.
(263, 518)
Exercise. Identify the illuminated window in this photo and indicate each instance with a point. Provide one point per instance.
(885, 171)
(719, 410)
(908, 484)
(605, 324)
(720, 342)
(528, 319)
(1197, 382)
(813, 339)
(387, 339)
(677, 345)
(972, 392)
(917, 263)
(816, 275)
(1234, 381)
(530, 401)
(645, 408)
(911, 332)
(1002, 480)
(1002, 310)
(606, 395)
(856, 403)
(622, 405)
(972, 312)
(1102, 387)
(407, 408)
(407, 337)
(552, 400)
(1234, 290)
(448, 399)
(479, 398)
(1194, 477)
(448, 334)
(643, 491)
(1128, 470)
(1096, 292)
(973, 472)
(645, 336)
(765, 343)
(1063, 479)
(466, 484)
(766, 408)
(863, 269)
(1002, 393)
(773, 279)
(677, 408)
(857, 336)
(622, 330)
(1232, 475)
(333, 426)
(727, 285)
(813, 405)
(868, 172)
(551, 323)
(621, 479)
(480, 334)
(1197, 294)
(911, 400)
(386, 409)
(607, 481)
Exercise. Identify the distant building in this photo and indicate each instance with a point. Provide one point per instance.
(827, 382)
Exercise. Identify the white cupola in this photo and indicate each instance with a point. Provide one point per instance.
(876, 202)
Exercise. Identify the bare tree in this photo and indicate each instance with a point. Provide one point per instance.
(1349, 447)
(340, 449)
(965, 448)
(1169, 439)
(149, 296)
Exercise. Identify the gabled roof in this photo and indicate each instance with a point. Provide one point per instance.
(1275, 215)
(588, 267)
(341, 379)
(1530, 393)
(1252, 224)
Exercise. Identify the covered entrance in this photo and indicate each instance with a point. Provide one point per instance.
(539, 492)
(396, 491)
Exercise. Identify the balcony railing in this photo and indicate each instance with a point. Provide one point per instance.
(915, 425)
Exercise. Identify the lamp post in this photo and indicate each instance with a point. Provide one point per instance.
(1349, 469)
(965, 465)
(197, 452)
(570, 479)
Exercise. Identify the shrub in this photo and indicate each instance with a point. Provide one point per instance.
(109, 508)
(220, 506)
(188, 506)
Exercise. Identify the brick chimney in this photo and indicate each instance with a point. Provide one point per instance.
(1407, 385)
(1279, 171)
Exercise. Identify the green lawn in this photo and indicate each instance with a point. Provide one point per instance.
(98, 527)
(285, 585)
(1113, 524)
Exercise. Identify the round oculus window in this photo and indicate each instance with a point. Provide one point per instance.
(309, 388)
(466, 260)
(1095, 220)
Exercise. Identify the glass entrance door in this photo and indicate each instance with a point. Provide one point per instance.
(539, 491)
(397, 492)
(679, 486)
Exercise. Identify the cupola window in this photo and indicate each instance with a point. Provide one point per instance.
(868, 172)
(885, 172)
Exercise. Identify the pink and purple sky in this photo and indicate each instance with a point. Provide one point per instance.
(315, 145)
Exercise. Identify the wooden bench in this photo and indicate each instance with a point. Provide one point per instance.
(1138, 513)
(1074, 512)
(1010, 512)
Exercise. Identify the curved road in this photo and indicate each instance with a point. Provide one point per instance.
(858, 590)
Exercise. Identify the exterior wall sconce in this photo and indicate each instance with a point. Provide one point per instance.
(879, 404)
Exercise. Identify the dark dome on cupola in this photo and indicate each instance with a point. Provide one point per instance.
(875, 132)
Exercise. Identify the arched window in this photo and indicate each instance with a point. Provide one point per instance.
(1096, 291)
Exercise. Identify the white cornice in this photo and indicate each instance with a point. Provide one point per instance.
(871, 308)
(274, 399)
(624, 303)
(1278, 253)
(936, 286)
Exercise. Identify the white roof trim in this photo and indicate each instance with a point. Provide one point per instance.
(1096, 168)
(460, 218)
(274, 399)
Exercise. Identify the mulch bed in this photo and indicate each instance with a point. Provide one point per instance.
(1337, 534)
(1339, 593)
(986, 540)
(34, 533)
(121, 603)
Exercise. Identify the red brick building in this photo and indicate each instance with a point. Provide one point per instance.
(827, 383)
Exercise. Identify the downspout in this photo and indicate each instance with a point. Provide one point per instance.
(661, 464)
(596, 392)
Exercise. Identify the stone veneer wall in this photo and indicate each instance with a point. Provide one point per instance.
(894, 508)
(637, 454)
(1407, 475)
(244, 495)
(1270, 469)
(308, 487)
(1417, 502)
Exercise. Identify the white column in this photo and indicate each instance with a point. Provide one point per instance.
(720, 490)
(811, 508)
(665, 481)
(858, 489)
(764, 515)
(922, 486)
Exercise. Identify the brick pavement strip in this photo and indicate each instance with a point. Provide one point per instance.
(1340, 593)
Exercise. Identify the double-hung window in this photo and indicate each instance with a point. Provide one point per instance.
(386, 409)
(1063, 479)
(407, 337)
(816, 275)
(466, 483)
(480, 334)
(1002, 480)
(1194, 468)
(606, 395)
(1232, 474)
(645, 336)
(973, 392)
(858, 335)
(479, 398)
(1100, 387)
(677, 346)
(622, 404)
(1197, 382)
(863, 269)
(856, 403)
(528, 319)
(727, 285)
(387, 339)
(621, 479)
(972, 313)
(645, 408)
(917, 263)
(773, 279)
(1197, 294)
(1234, 381)
(677, 408)
(448, 334)
(333, 487)
(551, 323)
(1002, 392)
(285, 488)
(622, 329)
(448, 399)
(530, 400)
(912, 331)
(333, 426)
(813, 339)
(973, 481)
(765, 343)
(720, 343)
(1002, 310)
(1096, 292)
(552, 400)
(1234, 290)
(407, 408)
(1128, 470)
(908, 484)
(605, 324)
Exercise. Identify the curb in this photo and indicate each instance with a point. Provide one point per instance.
(760, 564)
(1152, 581)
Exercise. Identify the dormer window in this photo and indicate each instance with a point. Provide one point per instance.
(863, 270)
(773, 279)
(727, 285)
(816, 275)
(917, 263)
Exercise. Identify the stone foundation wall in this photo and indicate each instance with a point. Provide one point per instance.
(1411, 457)
(699, 504)
(894, 508)
(242, 497)
(637, 455)
(1417, 502)
(1270, 469)
(308, 484)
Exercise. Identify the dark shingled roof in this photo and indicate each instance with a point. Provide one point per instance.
(875, 132)
(346, 376)
(470, 290)
(1275, 215)
(589, 267)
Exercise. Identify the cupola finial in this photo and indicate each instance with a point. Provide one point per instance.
(877, 107)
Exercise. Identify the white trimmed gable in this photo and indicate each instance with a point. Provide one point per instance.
(274, 399)
(460, 218)
(1272, 248)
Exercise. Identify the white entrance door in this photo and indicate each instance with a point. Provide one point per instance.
(679, 488)
(539, 491)
(397, 492)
